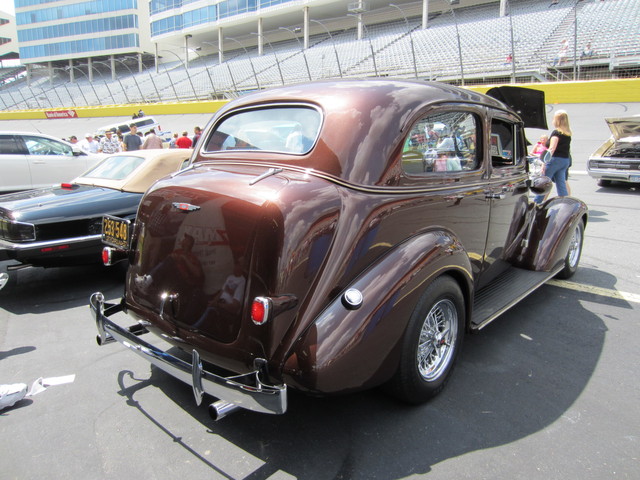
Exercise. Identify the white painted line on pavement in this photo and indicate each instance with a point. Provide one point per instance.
(603, 292)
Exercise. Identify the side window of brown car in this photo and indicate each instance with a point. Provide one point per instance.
(442, 142)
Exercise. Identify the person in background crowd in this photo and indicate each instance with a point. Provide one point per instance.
(587, 51)
(560, 150)
(172, 143)
(132, 140)
(184, 141)
(561, 56)
(89, 144)
(73, 139)
(541, 146)
(197, 132)
(109, 143)
(151, 141)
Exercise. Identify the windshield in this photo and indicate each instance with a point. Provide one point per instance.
(115, 167)
(276, 129)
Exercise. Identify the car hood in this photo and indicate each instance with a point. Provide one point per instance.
(626, 129)
(61, 204)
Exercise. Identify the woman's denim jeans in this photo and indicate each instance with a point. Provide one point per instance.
(557, 171)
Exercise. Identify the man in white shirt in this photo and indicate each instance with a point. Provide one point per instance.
(89, 144)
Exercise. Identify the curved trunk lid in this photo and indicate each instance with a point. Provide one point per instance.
(193, 242)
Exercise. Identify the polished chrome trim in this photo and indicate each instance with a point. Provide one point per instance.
(352, 299)
(268, 173)
(4, 244)
(244, 390)
(429, 188)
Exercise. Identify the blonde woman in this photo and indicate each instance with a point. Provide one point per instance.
(560, 151)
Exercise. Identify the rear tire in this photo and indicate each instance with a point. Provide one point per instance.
(572, 259)
(431, 343)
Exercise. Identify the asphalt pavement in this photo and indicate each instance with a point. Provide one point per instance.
(548, 391)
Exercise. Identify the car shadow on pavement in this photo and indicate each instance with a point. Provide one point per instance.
(42, 290)
(516, 377)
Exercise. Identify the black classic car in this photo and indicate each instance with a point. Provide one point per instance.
(341, 235)
(62, 225)
(618, 158)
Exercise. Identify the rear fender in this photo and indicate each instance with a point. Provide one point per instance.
(551, 232)
(350, 349)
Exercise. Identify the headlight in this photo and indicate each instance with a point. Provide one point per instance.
(17, 231)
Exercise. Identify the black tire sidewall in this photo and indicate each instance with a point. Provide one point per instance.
(410, 386)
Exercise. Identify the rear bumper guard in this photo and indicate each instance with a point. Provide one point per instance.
(239, 391)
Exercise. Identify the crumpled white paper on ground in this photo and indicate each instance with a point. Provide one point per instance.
(10, 394)
(41, 384)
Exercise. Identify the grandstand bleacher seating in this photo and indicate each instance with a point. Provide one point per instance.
(388, 48)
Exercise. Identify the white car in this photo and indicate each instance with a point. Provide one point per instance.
(618, 159)
(35, 160)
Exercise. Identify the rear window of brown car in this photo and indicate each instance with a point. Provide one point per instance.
(282, 129)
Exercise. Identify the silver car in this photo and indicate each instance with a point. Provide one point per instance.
(34, 160)
(618, 159)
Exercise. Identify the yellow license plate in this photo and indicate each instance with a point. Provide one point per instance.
(116, 231)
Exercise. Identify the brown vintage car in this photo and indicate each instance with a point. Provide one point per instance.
(341, 235)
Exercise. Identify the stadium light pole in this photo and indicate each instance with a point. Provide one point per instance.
(206, 68)
(105, 83)
(506, 10)
(124, 92)
(81, 92)
(260, 35)
(133, 76)
(455, 20)
(253, 68)
(233, 81)
(64, 84)
(188, 76)
(575, 39)
(301, 49)
(335, 50)
(366, 31)
(413, 51)
(152, 82)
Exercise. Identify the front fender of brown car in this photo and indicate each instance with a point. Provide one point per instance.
(551, 232)
(347, 348)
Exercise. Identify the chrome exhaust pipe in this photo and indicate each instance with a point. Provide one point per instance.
(221, 409)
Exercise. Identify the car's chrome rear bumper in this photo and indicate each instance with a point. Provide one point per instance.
(238, 391)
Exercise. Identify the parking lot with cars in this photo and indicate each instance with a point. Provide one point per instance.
(546, 391)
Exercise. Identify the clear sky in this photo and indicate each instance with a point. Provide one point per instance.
(7, 6)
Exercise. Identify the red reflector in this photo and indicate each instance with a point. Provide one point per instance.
(260, 310)
(54, 249)
(67, 186)
(106, 258)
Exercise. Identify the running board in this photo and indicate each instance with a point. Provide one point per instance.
(504, 292)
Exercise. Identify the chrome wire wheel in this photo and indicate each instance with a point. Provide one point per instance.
(573, 255)
(437, 340)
